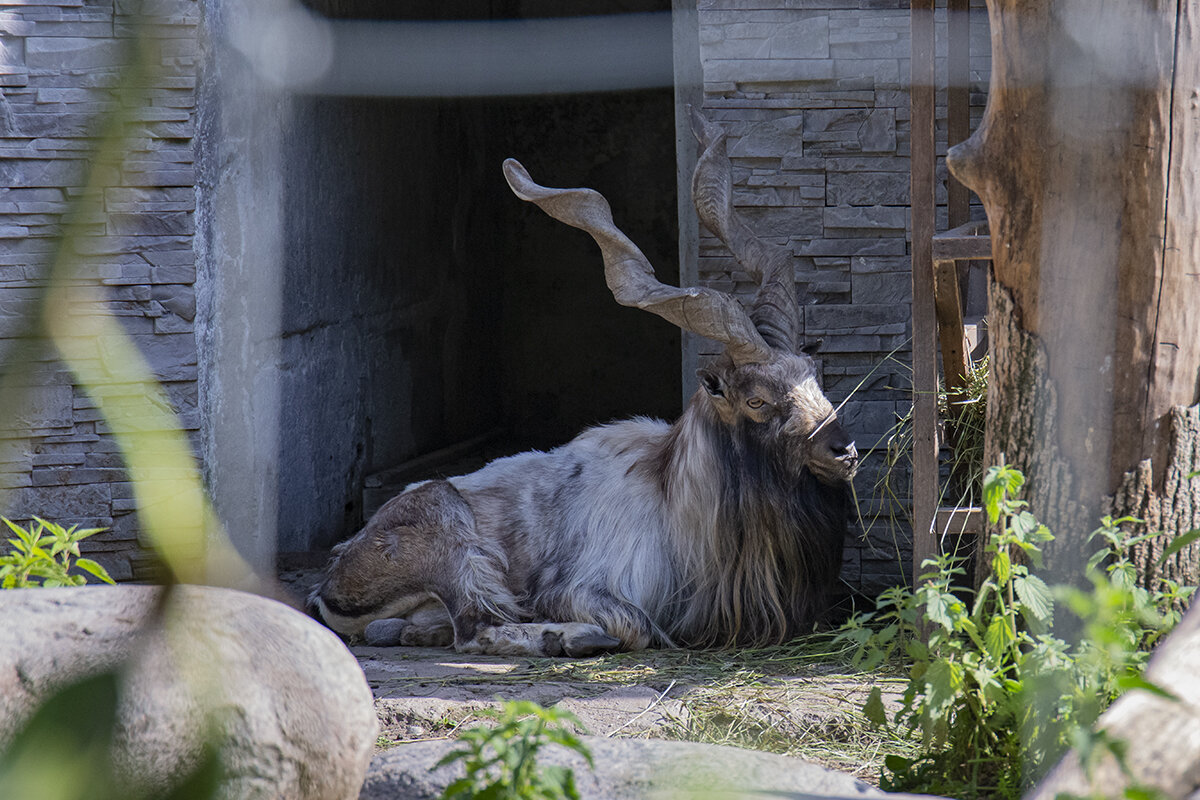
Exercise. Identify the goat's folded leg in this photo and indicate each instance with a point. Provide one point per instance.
(427, 626)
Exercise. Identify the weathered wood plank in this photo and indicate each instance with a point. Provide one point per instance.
(955, 361)
(967, 247)
(924, 325)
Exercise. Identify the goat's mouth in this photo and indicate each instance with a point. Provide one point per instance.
(835, 470)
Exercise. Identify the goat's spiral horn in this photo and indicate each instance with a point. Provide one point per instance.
(630, 277)
(775, 311)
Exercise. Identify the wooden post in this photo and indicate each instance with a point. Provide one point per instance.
(924, 324)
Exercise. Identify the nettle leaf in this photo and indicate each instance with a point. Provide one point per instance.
(943, 680)
(938, 608)
(1024, 525)
(451, 757)
(1178, 543)
(1002, 566)
(1098, 558)
(1141, 792)
(1037, 600)
(998, 637)
(1123, 575)
(87, 565)
(1132, 681)
(874, 710)
(558, 781)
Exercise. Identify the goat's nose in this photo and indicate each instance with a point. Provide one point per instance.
(844, 452)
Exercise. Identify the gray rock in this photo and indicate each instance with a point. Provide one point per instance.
(295, 720)
(630, 768)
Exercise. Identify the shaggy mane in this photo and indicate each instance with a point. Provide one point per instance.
(758, 548)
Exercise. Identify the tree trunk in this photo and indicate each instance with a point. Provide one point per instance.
(1086, 162)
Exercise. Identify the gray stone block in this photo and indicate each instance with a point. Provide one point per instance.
(773, 139)
(867, 188)
(59, 502)
(179, 299)
(804, 180)
(69, 476)
(156, 224)
(884, 72)
(868, 163)
(878, 133)
(806, 38)
(813, 196)
(768, 71)
(39, 408)
(169, 323)
(894, 246)
(865, 130)
(866, 44)
(75, 53)
(883, 288)
(42, 172)
(869, 418)
(870, 263)
(863, 319)
(865, 220)
(783, 222)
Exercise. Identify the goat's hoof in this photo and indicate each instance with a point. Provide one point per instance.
(578, 640)
(384, 632)
(590, 645)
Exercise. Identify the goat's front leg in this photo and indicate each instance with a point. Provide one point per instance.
(572, 639)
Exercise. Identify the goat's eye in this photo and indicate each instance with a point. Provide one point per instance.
(755, 402)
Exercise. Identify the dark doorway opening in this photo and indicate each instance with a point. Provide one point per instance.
(431, 319)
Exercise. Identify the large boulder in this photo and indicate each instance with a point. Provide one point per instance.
(632, 769)
(286, 704)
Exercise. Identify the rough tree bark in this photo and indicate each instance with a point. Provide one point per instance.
(1087, 164)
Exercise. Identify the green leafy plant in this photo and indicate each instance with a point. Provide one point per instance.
(995, 698)
(501, 759)
(42, 556)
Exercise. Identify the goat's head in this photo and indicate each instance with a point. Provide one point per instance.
(765, 380)
(781, 402)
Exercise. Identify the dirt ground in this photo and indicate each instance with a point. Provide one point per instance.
(802, 699)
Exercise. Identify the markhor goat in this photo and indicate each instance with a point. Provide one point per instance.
(724, 528)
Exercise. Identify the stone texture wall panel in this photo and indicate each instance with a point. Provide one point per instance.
(818, 118)
(62, 62)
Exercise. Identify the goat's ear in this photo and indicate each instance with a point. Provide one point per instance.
(812, 348)
(711, 382)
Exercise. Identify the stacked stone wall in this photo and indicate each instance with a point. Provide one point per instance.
(60, 75)
(814, 96)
